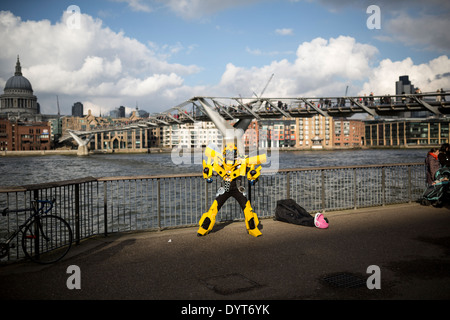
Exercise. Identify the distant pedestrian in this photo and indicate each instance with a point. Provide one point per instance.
(438, 96)
(418, 91)
(431, 165)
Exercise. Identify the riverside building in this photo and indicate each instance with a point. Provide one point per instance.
(407, 132)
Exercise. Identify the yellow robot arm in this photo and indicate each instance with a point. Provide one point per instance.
(207, 169)
(208, 166)
(253, 174)
(257, 159)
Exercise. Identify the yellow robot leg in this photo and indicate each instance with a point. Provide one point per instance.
(251, 220)
(208, 220)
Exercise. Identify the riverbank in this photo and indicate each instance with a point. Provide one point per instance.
(169, 150)
(74, 152)
(37, 153)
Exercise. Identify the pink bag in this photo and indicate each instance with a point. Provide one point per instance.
(320, 222)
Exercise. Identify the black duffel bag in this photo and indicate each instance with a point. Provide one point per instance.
(289, 211)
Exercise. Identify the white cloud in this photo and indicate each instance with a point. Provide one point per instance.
(166, 51)
(137, 5)
(321, 67)
(325, 67)
(87, 63)
(427, 76)
(259, 52)
(284, 32)
(338, 57)
(135, 87)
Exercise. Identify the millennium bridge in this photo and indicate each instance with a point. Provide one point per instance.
(237, 108)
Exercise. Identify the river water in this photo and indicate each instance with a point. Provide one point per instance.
(15, 171)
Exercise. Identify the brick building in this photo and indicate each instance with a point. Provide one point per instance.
(348, 133)
(24, 136)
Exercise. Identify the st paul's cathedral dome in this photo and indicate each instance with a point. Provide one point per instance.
(18, 101)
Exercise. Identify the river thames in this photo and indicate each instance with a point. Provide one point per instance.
(16, 171)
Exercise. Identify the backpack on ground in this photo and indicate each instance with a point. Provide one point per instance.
(289, 211)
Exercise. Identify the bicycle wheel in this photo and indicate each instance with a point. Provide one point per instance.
(47, 239)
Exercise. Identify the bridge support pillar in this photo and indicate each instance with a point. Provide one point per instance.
(83, 150)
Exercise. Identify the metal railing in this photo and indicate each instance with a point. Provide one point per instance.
(96, 206)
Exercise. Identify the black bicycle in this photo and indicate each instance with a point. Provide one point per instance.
(46, 238)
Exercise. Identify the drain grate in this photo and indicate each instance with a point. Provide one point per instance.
(345, 280)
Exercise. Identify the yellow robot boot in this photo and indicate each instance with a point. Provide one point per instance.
(207, 220)
(251, 220)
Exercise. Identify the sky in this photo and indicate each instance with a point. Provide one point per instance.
(155, 54)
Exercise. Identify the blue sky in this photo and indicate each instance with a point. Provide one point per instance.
(158, 53)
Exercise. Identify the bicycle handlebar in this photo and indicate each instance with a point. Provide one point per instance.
(6, 211)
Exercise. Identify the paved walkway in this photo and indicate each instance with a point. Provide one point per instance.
(409, 243)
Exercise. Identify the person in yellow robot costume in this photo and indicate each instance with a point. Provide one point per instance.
(231, 168)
